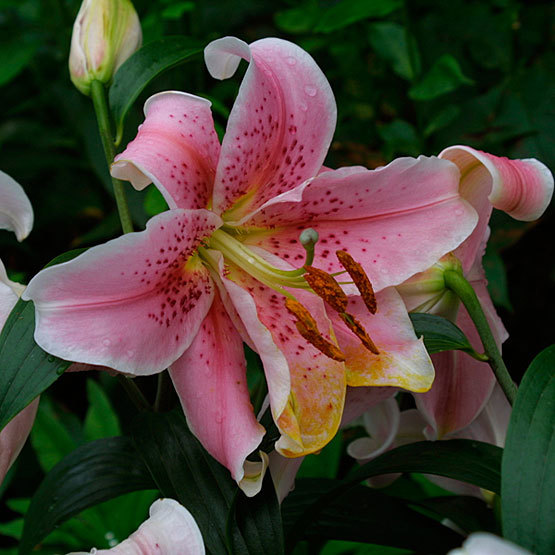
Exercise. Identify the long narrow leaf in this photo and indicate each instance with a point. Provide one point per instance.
(141, 68)
(93, 473)
(528, 478)
(26, 369)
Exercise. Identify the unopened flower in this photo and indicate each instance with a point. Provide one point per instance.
(523, 189)
(105, 34)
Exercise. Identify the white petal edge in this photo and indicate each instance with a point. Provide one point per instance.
(16, 212)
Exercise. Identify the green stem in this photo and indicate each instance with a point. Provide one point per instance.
(460, 286)
(134, 392)
(165, 393)
(98, 96)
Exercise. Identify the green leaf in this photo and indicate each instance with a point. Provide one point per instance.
(183, 470)
(27, 370)
(470, 461)
(528, 480)
(444, 76)
(154, 201)
(325, 464)
(93, 473)
(389, 40)
(298, 20)
(101, 420)
(439, 333)
(259, 520)
(346, 12)
(142, 67)
(365, 514)
(50, 438)
(442, 119)
(15, 55)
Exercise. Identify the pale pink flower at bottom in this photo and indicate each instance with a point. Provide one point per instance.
(523, 189)
(215, 270)
(484, 543)
(16, 214)
(387, 428)
(170, 530)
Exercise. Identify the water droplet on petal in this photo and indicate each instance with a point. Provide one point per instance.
(303, 107)
(219, 417)
(384, 271)
(291, 61)
(106, 342)
(459, 212)
(60, 371)
(50, 359)
(310, 90)
(130, 353)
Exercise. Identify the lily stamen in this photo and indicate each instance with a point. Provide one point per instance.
(308, 328)
(360, 278)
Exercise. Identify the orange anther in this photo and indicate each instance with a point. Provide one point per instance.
(325, 286)
(360, 278)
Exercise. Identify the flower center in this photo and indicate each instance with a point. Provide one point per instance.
(308, 278)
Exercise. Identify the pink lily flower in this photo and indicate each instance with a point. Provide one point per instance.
(484, 543)
(523, 189)
(217, 269)
(388, 427)
(170, 529)
(16, 214)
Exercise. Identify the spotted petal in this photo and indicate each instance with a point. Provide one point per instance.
(402, 360)
(395, 221)
(176, 148)
(135, 303)
(280, 127)
(210, 379)
(309, 415)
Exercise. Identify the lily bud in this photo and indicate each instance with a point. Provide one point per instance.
(105, 34)
(426, 291)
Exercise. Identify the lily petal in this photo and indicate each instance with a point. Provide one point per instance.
(170, 529)
(176, 148)
(214, 396)
(461, 388)
(280, 127)
(135, 303)
(403, 360)
(16, 212)
(314, 405)
(396, 221)
(14, 435)
(522, 188)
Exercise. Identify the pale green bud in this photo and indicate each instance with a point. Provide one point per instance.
(426, 291)
(105, 34)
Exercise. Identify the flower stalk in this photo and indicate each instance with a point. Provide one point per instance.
(460, 286)
(98, 96)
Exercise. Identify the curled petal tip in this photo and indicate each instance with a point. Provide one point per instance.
(222, 56)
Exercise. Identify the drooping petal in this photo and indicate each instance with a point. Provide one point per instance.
(280, 127)
(382, 425)
(402, 360)
(360, 399)
(313, 406)
(395, 221)
(135, 303)
(283, 471)
(16, 212)
(9, 293)
(210, 379)
(461, 388)
(14, 435)
(522, 188)
(176, 148)
(171, 529)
